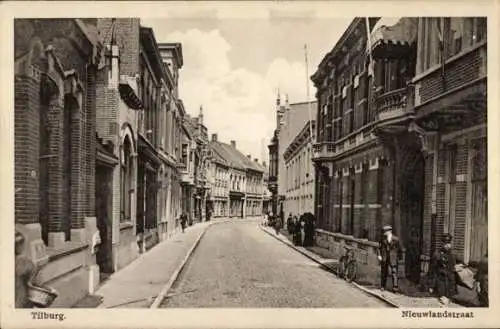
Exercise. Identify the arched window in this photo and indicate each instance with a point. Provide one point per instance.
(126, 178)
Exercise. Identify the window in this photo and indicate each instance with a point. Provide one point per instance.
(462, 33)
(430, 36)
(452, 179)
(126, 179)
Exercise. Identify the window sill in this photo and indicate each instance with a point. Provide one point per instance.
(68, 249)
(126, 225)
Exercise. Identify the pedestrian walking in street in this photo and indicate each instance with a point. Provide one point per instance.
(308, 229)
(277, 225)
(297, 238)
(388, 255)
(443, 273)
(289, 223)
(183, 221)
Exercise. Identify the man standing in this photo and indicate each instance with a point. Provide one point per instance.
(389, 253)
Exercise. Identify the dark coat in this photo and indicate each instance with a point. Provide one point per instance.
(443, 274)
(390, 252)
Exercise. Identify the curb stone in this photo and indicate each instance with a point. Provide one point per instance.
(331, 270)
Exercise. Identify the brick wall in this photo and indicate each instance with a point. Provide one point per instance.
(357, 211)
(458, 73)
(127, 37)
(372, 198)
(26, 148)
(91, 140)
(386, 177)
(55, 166)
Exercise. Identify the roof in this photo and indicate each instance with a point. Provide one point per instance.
(233, 157)
(216, 154)
(403, 31)
(336, 51)
(148, 40)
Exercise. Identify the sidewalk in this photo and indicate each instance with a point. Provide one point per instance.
(138, 284)
(395, 300)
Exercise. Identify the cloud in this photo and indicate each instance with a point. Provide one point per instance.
(238, 104)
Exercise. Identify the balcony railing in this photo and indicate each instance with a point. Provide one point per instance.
(390, 101)
(332, 149)
(394, 103)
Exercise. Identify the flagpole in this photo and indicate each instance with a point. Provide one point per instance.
(308, 102)
(307, 92)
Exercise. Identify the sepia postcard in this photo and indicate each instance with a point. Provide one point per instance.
(249, 164)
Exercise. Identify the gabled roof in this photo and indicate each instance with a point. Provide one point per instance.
(225, 152)
(216, 154)
(234, 158)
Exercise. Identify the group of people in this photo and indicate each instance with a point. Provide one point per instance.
(442, 276)
(300, 228)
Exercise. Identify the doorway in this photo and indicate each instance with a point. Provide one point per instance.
(412, 212)
(103, 204)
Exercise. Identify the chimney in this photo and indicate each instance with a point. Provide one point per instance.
(233, 144)
(256, 160)
(249, 156)
(214, 137)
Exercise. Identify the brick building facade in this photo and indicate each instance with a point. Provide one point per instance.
(55, 83)
(392, 145)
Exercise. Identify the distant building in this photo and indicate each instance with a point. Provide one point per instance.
(299, 172)
(295, 176)
(200, 160)
(240, 178)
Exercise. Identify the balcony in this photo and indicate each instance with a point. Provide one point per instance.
(354, 141)
(453, 96)
(394, 110)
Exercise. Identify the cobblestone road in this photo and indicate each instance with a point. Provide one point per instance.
(238, 265)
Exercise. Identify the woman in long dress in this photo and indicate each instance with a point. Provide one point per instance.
(297, 232)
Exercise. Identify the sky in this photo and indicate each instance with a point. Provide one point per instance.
(235, 65)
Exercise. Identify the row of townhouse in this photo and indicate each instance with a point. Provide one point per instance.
(237, 183)
(291, 169)
(401, 140)
(195, 161)
(99, 135)
(296, 177)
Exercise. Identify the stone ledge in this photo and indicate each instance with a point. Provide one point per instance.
(65, 250)
(126, 225)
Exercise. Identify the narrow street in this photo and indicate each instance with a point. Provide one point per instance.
(238, 265)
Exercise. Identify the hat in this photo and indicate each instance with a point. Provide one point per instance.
(387, 228)
(447, 238)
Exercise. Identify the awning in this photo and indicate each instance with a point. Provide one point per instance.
(147, 150)
(128, 94)
(396, 31)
